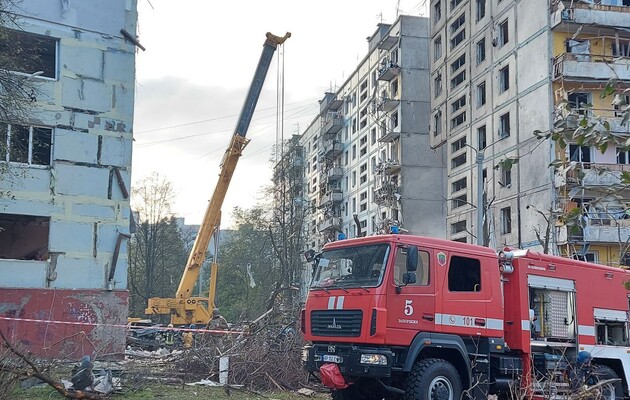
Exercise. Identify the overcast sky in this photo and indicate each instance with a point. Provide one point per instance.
(199, 61)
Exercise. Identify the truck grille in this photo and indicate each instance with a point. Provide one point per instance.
(336, 323)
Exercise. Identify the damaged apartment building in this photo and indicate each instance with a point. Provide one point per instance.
(368, 164)
(64, 210)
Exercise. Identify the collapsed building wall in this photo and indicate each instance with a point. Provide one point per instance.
(65, 213)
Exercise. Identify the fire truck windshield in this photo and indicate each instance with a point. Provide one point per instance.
(358, 266)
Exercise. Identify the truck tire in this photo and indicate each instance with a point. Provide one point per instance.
(611, 390)
(433, 379)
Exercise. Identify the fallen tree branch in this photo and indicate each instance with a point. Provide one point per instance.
(37, 373)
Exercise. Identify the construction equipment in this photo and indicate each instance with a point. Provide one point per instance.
(416, 317)
(185, 309)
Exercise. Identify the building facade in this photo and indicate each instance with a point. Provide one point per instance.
(368, 163)
(501, 70)
(65, 217)
(591, 48)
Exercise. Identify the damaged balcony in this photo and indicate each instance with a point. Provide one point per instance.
(333, 149)
(389, 167)
(334, 197)
(330, 224)
(597, 231)
(594, 175)
(333, 122)
(589, 67)
(566, 14)
(297, 163)
(386, 104)
(389, 136)
(334, 174)
(388, 71)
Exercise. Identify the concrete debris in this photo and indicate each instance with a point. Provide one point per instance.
(32, 382)
(205, 382)
(306, 392)
(159, 353)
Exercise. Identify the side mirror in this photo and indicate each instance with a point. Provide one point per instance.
(409, 278)
(412, 258)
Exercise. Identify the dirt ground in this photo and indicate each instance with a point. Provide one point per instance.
(163, 392)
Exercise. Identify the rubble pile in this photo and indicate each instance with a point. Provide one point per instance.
(267, 359)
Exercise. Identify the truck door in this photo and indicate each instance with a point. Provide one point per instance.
(411, 308)
(466, 293)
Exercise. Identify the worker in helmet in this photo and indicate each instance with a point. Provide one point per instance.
(169, 336)
(581, 371)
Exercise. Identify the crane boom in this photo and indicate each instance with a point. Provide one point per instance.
(184, 308)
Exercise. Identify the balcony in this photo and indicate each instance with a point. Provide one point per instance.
(389, 167)
(330, 224)
(590, 15)
(335, 173)
(297, 163)
(389, 136)
(333, 122)
(388, 43)
(571, 66)
(597, 116)
(332, 197)
(388, 71)
(333, 149)
(593, 175)
(598, 231)
(387, 105)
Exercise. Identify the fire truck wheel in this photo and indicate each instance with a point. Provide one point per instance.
(433, 379)
(612, 390)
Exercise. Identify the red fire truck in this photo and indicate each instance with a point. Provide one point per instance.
(399, 316)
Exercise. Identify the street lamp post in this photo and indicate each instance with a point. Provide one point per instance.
(480, 206)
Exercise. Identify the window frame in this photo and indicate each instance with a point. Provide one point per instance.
(506, 220)
(504, 79)
(481, 94)
(48, 47)
(7, 132)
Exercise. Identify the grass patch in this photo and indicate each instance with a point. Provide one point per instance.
(158, 391)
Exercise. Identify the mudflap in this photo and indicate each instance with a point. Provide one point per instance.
(332, 378)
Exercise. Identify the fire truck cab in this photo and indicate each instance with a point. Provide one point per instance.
(428, 318)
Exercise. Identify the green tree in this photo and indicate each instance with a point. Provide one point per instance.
(246, 268)
(157, 251)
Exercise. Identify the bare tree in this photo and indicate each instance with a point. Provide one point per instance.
(157, 252)
(19, 63)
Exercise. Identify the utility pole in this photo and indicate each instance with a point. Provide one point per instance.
(480, 206)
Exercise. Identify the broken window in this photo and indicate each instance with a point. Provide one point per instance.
(579, 102)
(611, 327)
(34, 54)
(24, 237)
(25, 144)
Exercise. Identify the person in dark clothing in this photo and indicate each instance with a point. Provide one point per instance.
(82, 376)
(581, 371)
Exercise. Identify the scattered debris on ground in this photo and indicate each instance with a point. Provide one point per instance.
(264, 357)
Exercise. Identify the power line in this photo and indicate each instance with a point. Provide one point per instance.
(300, 110)
(210, 120)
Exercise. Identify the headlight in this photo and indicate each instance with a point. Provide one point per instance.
(373, 359)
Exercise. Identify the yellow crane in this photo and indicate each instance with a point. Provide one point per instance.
(185, 309)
